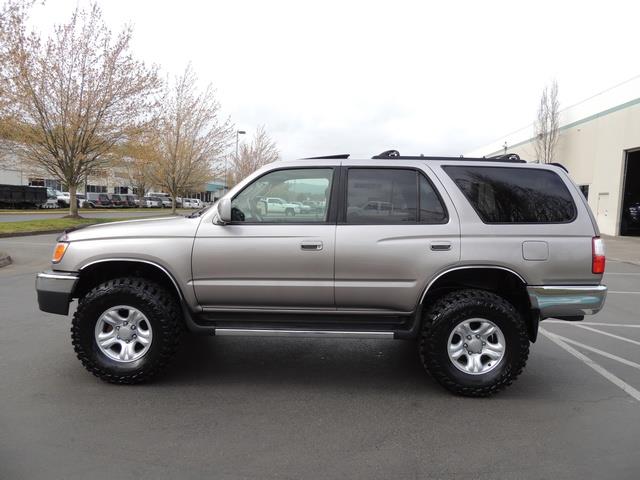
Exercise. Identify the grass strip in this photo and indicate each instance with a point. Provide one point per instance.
(53, 224)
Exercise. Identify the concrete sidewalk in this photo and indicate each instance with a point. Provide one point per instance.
(623, 249)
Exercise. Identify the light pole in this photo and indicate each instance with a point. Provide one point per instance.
(238, 133)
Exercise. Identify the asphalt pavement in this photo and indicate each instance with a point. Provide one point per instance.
(267, 408)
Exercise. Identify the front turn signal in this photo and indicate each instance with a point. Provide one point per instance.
(58, 252)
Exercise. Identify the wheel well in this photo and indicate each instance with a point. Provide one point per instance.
(100, 272)
(501, 282)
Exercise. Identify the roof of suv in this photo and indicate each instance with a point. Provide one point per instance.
(512, 158)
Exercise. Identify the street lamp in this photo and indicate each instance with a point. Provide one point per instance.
(238, 133)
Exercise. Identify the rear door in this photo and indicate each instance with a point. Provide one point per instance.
(386, 255)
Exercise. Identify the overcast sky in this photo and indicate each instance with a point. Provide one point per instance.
(426, 77)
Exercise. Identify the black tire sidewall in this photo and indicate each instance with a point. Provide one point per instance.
(93, 306)
(505, 322)
(441, 319)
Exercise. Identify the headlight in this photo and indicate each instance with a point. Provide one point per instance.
(58, 252)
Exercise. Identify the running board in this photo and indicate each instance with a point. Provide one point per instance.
(264, 332)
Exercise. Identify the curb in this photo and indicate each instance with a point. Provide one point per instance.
(27, 234)
(4, 259)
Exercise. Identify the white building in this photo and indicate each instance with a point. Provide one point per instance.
(599, 143)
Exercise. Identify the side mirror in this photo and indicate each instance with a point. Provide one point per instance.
(224, 210)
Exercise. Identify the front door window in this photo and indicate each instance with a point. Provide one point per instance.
(285, 196)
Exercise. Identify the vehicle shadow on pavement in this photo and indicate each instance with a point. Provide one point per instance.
(338, 363)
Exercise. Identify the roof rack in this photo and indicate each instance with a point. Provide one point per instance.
(394, 154)
(342, 156)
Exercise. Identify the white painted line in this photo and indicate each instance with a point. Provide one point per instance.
(624, 386)
(617, 337)
(599, 352)
(628, 293)
(616, 273)
(596, 324)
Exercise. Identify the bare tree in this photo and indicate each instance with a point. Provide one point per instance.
(261, 151)
(547, 124)
(138, 158)
(189, 136)
(72, 97)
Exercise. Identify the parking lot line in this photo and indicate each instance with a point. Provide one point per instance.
(608, 355)
(624, 386)
(596, 324)
(618, 337)
(627, 293)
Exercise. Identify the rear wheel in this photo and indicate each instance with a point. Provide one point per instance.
(473, 342)
(126, 330)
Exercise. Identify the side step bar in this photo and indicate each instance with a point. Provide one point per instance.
(264, 332)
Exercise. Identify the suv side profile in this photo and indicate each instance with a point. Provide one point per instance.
(466, 256)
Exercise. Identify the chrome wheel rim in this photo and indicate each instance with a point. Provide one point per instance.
(476, 346)
(123, 334)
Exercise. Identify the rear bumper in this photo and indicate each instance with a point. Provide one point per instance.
(567, 301)
(55, 291)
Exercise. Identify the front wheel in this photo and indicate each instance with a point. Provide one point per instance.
(473, 342)
(125, 330)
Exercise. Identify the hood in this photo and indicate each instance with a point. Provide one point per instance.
(149, 227)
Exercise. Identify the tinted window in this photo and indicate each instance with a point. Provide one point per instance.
(514, 195)
(431, 208)
(285, 196)
(381, 196)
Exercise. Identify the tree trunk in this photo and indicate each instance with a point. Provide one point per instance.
(173, 205)
(73, 203)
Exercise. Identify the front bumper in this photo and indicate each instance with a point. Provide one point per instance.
(55, 291)
(567, 301)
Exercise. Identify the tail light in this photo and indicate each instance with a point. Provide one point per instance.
(598, 257)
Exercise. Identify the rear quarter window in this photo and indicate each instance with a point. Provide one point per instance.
(514, 195)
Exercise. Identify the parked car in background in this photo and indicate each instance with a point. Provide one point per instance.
(303, 208)
(129, 200)
(81, 200)
(117, 200)
(152, 202)
(186, 203)
(630, 216)
(64, 198)
(279, 206)
(98, 200)
(167, 202)
(52, 200)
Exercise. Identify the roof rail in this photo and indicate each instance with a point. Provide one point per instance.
(394, 154)
(513, 157)
(342, 156)
(559, 165)
(387, 154)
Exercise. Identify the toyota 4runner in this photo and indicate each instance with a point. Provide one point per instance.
(465, 255)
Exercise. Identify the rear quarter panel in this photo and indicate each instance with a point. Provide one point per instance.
(569, 244)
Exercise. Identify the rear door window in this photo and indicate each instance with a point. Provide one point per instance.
(514, 195)
(391, 196)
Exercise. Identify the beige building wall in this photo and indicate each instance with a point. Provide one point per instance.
(594, 149)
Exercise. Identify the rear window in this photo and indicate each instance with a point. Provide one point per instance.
(514, 195)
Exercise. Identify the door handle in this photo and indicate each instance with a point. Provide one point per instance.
(311, 246)
(440, 246)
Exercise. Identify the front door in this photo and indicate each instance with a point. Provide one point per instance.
(271, 258)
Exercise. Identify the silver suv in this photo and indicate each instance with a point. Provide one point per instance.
(465, 255)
